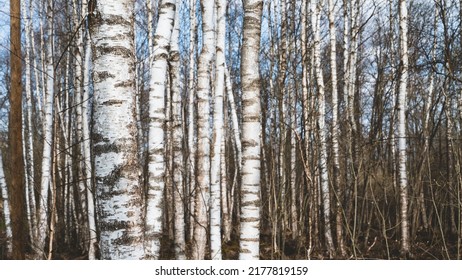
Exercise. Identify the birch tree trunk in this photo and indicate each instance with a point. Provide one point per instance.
(117, 172)
(202, 194)
(352, 59)
(68, 179)
(215, 188)
(228, 213)
(56, 146)
(156, 138)
(345, 63)
(78, 100)
(42, 204)
(234, 119)
(335, 127)
(426, 130)
(306, 105)
(322, 127)
(402, 157)
(394, 73)
(29, 155)
(177, 140)
(43, 59)
(251, 132)
(191, 159)
(293, 101)
(6, 209)
(281, 222)
(38, 81)
(93, 241)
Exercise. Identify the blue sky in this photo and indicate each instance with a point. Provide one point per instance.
(4, 20)
(4, 45)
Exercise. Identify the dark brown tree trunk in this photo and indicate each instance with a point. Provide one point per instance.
(17, 193)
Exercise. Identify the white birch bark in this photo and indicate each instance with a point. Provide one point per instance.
(38, 84)
(335, 126)
(234, 119)
(29, 146)
(168, 217)
(150, 36)
(394, 97)
(293, 142)
(64, 166)
(92, 244)
(119, 194)
(24, 155)
(402, 156)
(138, 106)
(215, 187)
(42, 101)
(78, 100)
(42, 223)
(306, 78)
(56, 146)
(353, 55)
(251, 132)
(68, 118)
(346, 47)
(6, 208)
(202, 194)
(351, 11)
(156, 138)
(281, 224)
(191, 185)
(225, 197)
(315, 17)
(228, 195)
(177, 140)
(293, 167)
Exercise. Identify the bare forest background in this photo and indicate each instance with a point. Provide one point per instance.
(214, 129)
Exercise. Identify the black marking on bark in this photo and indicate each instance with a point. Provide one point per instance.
(127, 238)
(174, 57)
(128, 83)
(94, 16)
(114, 177)
(116, 20)
(169, 5)
(250, 142)
(101, 76)
(117, 50)
(161, 56)
(112, 102)
(104, 148)
(114, 225)
(255, 203)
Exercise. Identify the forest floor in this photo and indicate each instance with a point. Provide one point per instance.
(424, 247)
